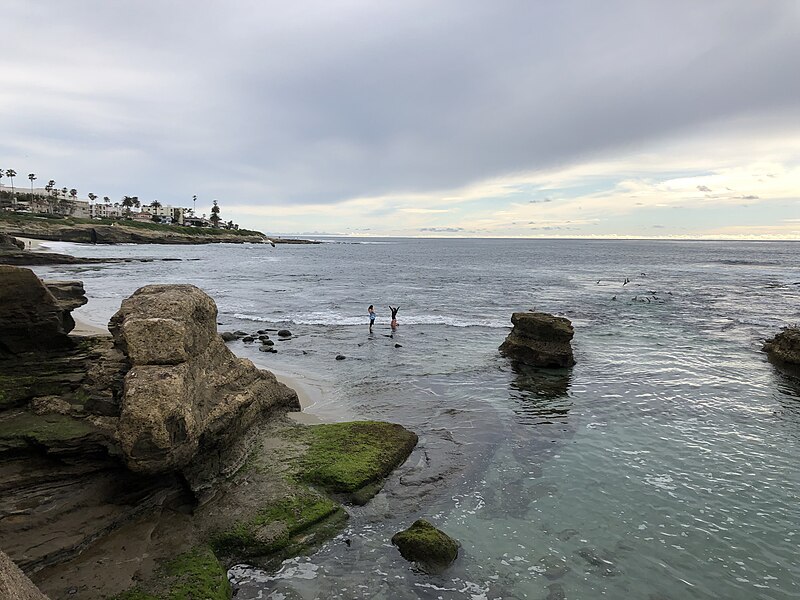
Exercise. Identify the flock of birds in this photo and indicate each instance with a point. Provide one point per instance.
(649, 297)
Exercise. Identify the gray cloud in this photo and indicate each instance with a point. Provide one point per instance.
(703, 188)
(749, 197)
(317, 102)
(442, 229)
(540, 201)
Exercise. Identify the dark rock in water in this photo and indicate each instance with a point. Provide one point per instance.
(784, 348)
(239, 333)
(539, 340)
(284, 333)
(340, 357)
(422, 543)
(31, 317)
(398, 345)
(603, 565)
(248, 338)
(267, 342)
(228, 336)
(261, 331)
(263, 337)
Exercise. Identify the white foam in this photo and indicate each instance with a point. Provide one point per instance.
(339, 319)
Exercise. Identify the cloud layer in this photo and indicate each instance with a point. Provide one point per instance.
(285, 111)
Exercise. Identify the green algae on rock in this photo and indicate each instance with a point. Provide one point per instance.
(430, 548)
(353, 458)
(194, 575)
(276, 525)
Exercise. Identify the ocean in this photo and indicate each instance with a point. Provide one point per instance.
(664, 465)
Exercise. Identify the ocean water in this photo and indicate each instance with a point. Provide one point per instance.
(664, 465)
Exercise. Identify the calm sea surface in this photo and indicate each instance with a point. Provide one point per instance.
(664, 465)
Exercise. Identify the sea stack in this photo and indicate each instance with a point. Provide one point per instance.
(784, 348)
(540, 340)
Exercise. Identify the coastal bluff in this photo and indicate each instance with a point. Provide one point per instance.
(156, 452)
(71, 229)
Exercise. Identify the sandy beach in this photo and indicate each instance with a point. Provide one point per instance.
(33, 244)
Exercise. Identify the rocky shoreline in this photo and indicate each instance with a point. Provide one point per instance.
(145, 462)
(67, 230)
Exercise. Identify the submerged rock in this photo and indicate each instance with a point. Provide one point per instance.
(540, 340)
(431, 548)
(784, 348)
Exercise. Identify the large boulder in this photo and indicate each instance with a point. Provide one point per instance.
(430, 548)
(31, 317)
(186, 394)
(540, 340)
(784, 348)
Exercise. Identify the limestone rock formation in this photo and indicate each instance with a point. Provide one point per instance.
(185, 391)
(31, 317)
(784, 348)
(431, 548)
(540, 340)
(14, 585)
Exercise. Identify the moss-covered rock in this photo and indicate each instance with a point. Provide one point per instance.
(353, 458)
(277, 525)
(194, 575)
(432, 549)
(51, 432)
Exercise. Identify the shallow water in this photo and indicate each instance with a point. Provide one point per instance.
(663, 465)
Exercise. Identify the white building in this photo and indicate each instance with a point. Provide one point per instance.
(174, 213)
(106, 211)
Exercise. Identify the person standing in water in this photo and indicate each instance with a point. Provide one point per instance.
(371, 311)
(394, 317)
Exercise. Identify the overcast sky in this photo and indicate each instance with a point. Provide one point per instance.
(506, 118)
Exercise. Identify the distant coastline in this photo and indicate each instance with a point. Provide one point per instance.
(104, 231)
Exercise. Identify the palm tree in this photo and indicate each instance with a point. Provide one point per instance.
(127, 202)
(92, 197)
(155, 204)
(64, 192)
(11, 173)
(215, 214)
(73, 193)
(31, 176)
(50, 185)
